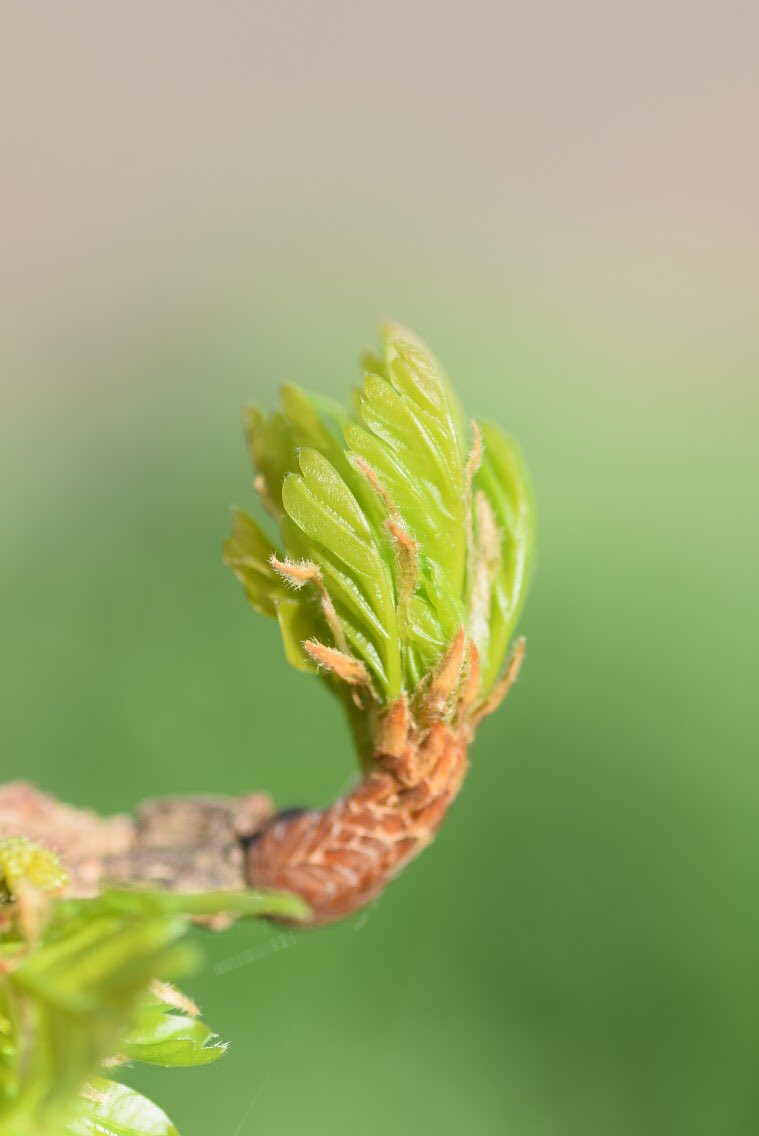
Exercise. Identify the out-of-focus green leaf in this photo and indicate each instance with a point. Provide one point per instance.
(160, 1038)
(83, 992)
(247, 551)
(71, 1000)
(272, 448)
(111, 1109)
(503, 478)
(296, 624)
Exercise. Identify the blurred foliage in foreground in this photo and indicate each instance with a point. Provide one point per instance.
(84, 988)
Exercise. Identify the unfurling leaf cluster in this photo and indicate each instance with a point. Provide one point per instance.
(398, 525)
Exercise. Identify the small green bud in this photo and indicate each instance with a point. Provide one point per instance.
(25, 865)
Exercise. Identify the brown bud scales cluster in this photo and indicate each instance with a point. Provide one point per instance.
(340, 858)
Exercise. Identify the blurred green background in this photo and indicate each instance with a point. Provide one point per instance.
(205, 200)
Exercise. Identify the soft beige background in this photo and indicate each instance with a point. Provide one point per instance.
(199, 201)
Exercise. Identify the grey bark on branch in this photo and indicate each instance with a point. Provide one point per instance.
(179, 843)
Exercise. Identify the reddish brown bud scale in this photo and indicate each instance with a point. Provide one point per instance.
(342, 857)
